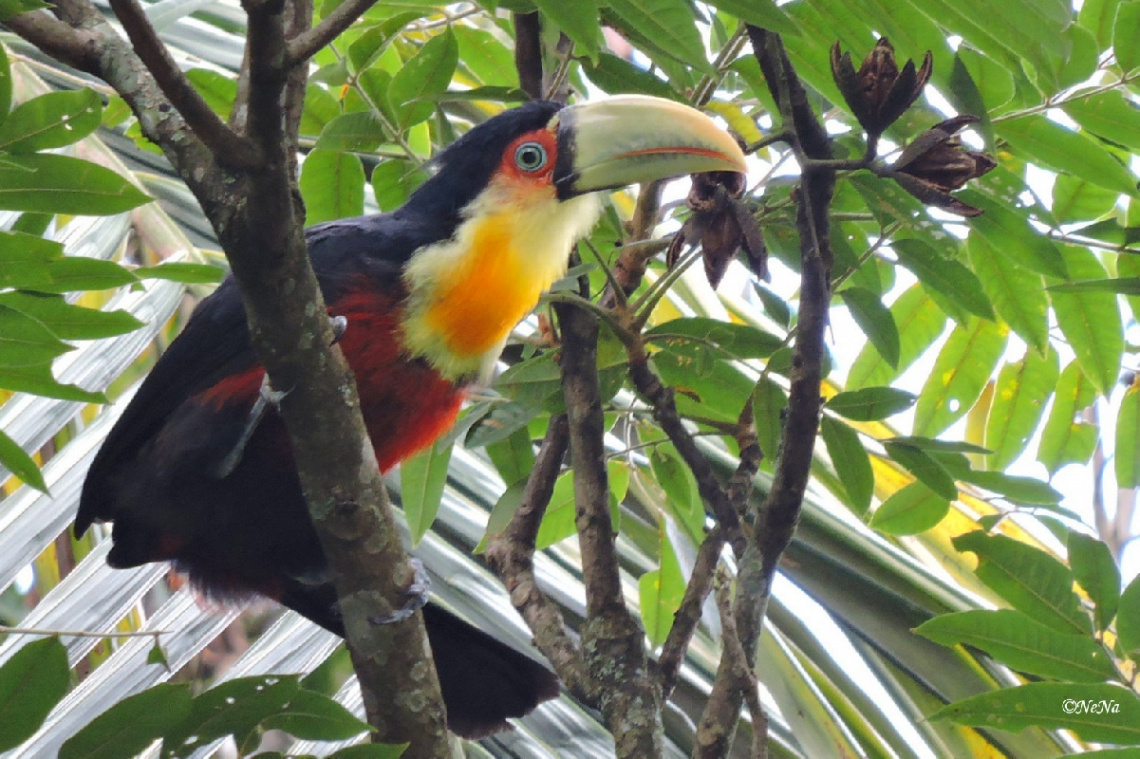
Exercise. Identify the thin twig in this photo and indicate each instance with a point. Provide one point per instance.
(228, 148)
(304, 46)
(511, 555)
(688, 614)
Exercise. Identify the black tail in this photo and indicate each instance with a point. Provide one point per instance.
(484, 681)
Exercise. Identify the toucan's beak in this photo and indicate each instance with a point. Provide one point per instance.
(635, 138)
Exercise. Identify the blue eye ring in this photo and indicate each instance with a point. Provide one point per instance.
(531, 157)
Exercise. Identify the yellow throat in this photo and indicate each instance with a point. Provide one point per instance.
(468, 292)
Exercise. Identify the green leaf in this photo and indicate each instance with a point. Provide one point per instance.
(1031, 580)
(25, 341)
(1023, 644)
(332, 184)
(681, 496)
(1091, 322)
(313, 716)
(51, 121)
(356, 132)
(768, 403)
(368, 47)
(1023, 389)
(1096, 571)
(1108, 115)
(763, 13)
(532, 382)
(131, 725)
(488, 59)
(851, 462)
(1126, 36)
(1075, 200)
(1128, 618)
(875, 320)
(76, 273)
(614, 76)
(32, 682)
(735, 340)
(1066, 438)
(1020, 489)
(919, 323)
(51, 183)
(1120, 285)
(909, 511)
(1010, 234)
(961, 371)
(1127, 457)
(1098, 16)
(871, 404)
(558, 521)
(924, 467)
(393, 182)
(428, 73)
(40, 381)
(218, 90)
(1042, 140)
(502, 422)
(235, 707)
(1094, 712)
(668, 23)
(660, 592)
(10, 8)
(187, 274)
(1017, 293)
(945, 276)
(514, 456)
(19, 463)
(578, 20)
(422, 479)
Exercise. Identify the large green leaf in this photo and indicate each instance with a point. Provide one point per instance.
(51, 121)
(1065, 439)
(1056, 147)
(852, 465)
(1024, 644)
(919, 323)
(962, 368)
(1022, 392)
(332, 184)
(428, 73)
(1094, 712)
(944, 276)
(1031, 580)
(1091, 322)
(51, 183)
(669, 23)
(31, 683)
(131, 725)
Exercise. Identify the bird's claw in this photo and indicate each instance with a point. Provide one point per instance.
(416, 593)
(266, 397)
(339, 325)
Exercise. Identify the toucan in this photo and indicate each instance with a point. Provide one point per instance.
(198, 470)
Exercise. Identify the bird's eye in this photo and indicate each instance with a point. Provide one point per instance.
(530, 156)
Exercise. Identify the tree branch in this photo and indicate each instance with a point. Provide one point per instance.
(776, 519)
(301, 47)
(228, 148)
(511, 555)
(528, 53)
(78, 48)
(688, 614)
(665, 412)
(612, 639)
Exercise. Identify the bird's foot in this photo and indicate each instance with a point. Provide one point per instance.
(339, 325)
(416, 593)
